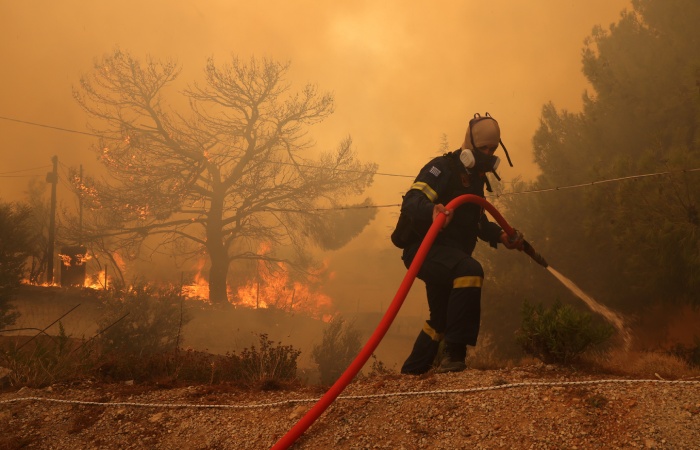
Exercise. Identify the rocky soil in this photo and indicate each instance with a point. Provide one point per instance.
(532, 407)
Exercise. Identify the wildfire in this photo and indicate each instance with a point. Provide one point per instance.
(98, 281)
(77, 259)
(271, 288)
(199, 289)
(275, 289)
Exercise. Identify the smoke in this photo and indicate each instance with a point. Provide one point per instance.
(402, 77)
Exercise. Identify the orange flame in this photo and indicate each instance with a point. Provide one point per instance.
(99, 281)
(272, 289)
(199, 289)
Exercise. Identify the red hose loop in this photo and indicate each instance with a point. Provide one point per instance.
(354, 368)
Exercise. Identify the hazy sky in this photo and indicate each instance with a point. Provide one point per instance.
(403, 72)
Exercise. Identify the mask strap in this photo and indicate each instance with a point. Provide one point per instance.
(471, 135)
(504, 148)
(506, 152)
(488, 185)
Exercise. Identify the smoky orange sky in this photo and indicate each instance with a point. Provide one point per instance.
(403, 73)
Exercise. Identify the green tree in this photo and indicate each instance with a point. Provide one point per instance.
(637, 241)
(645, 118)
(14, 251)
(234, 169)
(633, 242)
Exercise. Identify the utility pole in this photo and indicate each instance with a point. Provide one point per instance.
(80, 208)
(52, 177)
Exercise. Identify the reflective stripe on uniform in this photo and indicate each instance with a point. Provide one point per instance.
(465, 282)
(430, 331)
(427, 190)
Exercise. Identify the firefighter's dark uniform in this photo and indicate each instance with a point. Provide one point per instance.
(452, 277)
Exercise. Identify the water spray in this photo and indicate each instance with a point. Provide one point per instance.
(609, 315)
(356, 365)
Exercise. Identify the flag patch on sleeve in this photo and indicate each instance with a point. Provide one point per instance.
(435, 171)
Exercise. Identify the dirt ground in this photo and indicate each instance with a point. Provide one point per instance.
(530, 407)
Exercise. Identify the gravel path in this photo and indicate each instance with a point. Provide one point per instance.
(533, 407)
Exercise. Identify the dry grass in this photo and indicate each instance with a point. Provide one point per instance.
(642, 365)
(485, 356)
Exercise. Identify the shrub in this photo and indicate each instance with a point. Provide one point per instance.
(142, 331)
(560, 334)
(268, 364)
(339, 346)
(143, 320)
(43, 359)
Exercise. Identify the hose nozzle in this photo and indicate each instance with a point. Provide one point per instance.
(532, 253)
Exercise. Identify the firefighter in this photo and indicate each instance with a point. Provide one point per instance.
(452, 277)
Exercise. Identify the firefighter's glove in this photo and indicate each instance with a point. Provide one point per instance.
(513, 242)
(441, 209)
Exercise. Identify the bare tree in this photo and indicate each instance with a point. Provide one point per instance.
(236, 170)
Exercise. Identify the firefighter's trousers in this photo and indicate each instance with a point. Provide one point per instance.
(453, 282)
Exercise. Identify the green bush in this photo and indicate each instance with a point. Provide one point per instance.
(339, 346)
(560, 334)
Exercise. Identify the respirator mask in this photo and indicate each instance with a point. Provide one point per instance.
(479, 162)
(482, 139)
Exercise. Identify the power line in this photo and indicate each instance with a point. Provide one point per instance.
(592, 183)
(25, 170)
(26, 122)
(18, 176)
(531, 191)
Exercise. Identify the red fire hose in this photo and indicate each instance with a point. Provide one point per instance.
(324, 402)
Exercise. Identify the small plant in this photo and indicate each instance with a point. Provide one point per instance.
(340, 344)
(560, 334)
(378, 368)
(268, 364)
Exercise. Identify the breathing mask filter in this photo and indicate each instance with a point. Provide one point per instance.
(483, 133)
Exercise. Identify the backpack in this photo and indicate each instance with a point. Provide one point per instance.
(404, 234)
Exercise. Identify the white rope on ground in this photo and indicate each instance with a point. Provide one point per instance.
(351, 397)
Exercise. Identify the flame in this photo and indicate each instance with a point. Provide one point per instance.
(77, 259)
(119, 261)
(199, 289)
(28, 282)
(271, 288)
(275, 289)
(99, 281)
